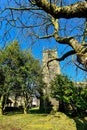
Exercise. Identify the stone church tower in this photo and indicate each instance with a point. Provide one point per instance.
(50, 71)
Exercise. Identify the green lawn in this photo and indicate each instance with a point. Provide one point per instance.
(40, 122)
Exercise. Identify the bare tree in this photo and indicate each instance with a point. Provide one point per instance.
(70, 11)
(41, 19)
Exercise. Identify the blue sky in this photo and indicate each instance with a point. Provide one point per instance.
(73, 27)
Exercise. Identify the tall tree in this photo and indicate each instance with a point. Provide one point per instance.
(20, 74)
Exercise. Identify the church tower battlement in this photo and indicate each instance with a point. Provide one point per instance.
(53, 67)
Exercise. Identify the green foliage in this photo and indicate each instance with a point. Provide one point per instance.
(79, 99)
(62, 89)
(70, 97)
(20, 73)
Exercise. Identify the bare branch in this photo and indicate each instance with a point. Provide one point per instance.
(43, 37)
(69, 53)
(28, 16)
(78, 65)
(22, 8)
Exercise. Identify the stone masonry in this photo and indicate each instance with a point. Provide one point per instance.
(50, 71)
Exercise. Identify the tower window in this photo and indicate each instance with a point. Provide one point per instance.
(49, 55)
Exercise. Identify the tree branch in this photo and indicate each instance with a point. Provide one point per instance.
(84, 69)
(69, 53)
(78, 9)
(43, 37)
(71, 41)
(22, 8)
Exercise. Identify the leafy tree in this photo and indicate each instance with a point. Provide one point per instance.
(79, 100)
(62, 89)
(63, 21)
(31, 74)
(20, 74)
(70, 96)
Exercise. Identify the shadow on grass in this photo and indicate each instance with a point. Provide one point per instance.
(13, 111)
(81, 124)
(80, 119)
(36, 111)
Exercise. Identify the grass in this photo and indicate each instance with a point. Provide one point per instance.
(33, 121)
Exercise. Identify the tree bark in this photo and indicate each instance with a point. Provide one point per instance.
(25, 107)
(78, 9)
(25, 103)
(25, 110)
(78, 49)
(1, 105)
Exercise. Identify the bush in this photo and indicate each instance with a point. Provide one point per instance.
(70, 97)
(62, 89)
(79, 100)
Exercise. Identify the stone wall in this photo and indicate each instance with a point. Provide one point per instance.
(50, 71)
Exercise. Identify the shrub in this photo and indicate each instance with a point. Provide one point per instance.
(70, 97)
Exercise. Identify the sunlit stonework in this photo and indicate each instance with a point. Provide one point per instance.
(50, 70)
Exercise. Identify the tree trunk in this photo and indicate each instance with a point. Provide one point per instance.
(61, 106)
(1, 105)
(25, 107)
(25, 110)
(41, 107)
